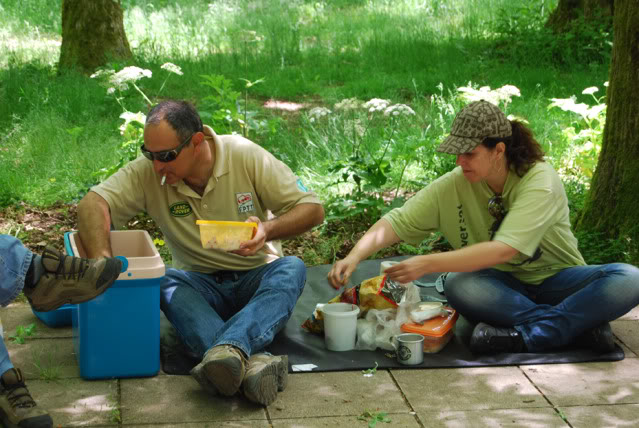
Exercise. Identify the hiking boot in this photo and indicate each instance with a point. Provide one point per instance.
(198, 373)
(224, 367)
(600, 339)
(71, 280)
(17, 408)
(266, 375)
(487, 339)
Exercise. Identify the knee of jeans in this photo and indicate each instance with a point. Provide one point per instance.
(458, 286)
(169, 284)
(296, 271)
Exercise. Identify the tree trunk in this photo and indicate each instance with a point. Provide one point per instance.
(612, 205)
(568, 11)
(92, 34)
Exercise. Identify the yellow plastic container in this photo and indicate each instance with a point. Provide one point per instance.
(225, 235)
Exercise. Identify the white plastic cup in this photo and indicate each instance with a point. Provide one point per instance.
(385, 265)
(340, 326)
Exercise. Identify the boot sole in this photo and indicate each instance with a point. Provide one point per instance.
(262, 388)
(225, 375)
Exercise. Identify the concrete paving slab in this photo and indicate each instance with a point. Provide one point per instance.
(21, 314)
(166, 399)
(587, 383)
(468, 389)
(620, 415)
(216, 424)
(632, 315)
(318, 395)
(396, 420)
(628, 333)
(44, 358)
(74, 402)
(516, 418)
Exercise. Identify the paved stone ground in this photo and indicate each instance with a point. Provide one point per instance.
(556, 395)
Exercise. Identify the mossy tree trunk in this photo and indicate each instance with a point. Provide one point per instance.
(92, 34)
(568, 11)
(612, 207)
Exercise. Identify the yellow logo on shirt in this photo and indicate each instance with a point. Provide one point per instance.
(180, 209)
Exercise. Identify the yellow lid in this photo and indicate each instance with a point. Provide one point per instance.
(227, 223)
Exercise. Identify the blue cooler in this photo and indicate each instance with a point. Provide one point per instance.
(117, 334)
(61, 317)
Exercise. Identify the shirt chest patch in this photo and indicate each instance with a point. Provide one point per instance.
(244, 202)
(180, 209)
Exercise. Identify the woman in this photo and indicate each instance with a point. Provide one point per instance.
(515, 269)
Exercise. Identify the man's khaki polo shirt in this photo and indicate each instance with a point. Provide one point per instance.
(247, 181)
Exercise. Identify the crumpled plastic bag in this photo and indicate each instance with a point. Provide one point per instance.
(377, 293)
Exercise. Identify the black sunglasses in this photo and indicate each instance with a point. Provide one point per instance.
(165, 155)
(498, 211)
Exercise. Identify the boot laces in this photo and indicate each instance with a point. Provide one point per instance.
(17, 398)
(76, 270)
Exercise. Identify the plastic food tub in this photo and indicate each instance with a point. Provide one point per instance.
(225, 235)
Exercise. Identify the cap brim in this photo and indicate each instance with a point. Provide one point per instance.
(455, 145)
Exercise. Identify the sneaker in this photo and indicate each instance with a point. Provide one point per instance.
(487, 339)
(266, 375)
(71, 280)
(17, 408)
(599, 339)
(224, 367)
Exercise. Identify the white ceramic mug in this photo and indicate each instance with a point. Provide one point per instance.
(409, 348)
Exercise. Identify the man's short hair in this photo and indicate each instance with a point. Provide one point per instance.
(180, 115)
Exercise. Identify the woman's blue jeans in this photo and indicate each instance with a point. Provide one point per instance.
(240, 308)
(550, 314)
(15, 260)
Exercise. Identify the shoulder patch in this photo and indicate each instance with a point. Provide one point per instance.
(301, 186)
(180, 209)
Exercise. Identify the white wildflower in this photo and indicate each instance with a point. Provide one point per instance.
(348, 104)
(399, 110)
(129, 74)
(111, 91)
(494, 96)
(131, 117)
(172, 68)
(376, 104)
(606, 84)
(318, 112)
(101, 73)
(590, 91)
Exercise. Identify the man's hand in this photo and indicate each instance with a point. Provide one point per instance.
(408, 270)
(251, 247)
(341, 272)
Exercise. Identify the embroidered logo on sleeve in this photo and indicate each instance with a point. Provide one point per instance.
(301, 186)
(244, 202)
(180, 209)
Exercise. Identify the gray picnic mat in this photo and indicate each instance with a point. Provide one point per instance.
(305, 348)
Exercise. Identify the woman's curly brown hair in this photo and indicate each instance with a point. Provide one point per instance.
(522, 150)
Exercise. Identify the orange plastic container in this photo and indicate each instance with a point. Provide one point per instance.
(437, 331)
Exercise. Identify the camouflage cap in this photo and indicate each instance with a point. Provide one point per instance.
(475, 122)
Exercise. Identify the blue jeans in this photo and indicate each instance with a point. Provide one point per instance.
(240, 308)
(15, 260)
(550, 314)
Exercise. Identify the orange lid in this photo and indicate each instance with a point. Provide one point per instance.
(434, 327)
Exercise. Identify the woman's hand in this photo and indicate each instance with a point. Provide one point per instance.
(408, 270)
(341, 272)
(251, 247)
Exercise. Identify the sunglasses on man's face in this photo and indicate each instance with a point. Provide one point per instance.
(165, 155)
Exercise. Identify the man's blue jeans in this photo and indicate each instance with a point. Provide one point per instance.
(15, 260)
(240, 308)
(550, 314)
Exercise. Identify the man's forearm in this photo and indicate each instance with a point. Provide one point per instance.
(300, 219)
(94, 223)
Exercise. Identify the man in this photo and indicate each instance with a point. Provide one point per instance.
(48, 281)
(225, 306)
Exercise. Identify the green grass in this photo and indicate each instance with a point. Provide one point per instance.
(57, 129)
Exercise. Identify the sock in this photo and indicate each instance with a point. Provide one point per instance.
(36, 270)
